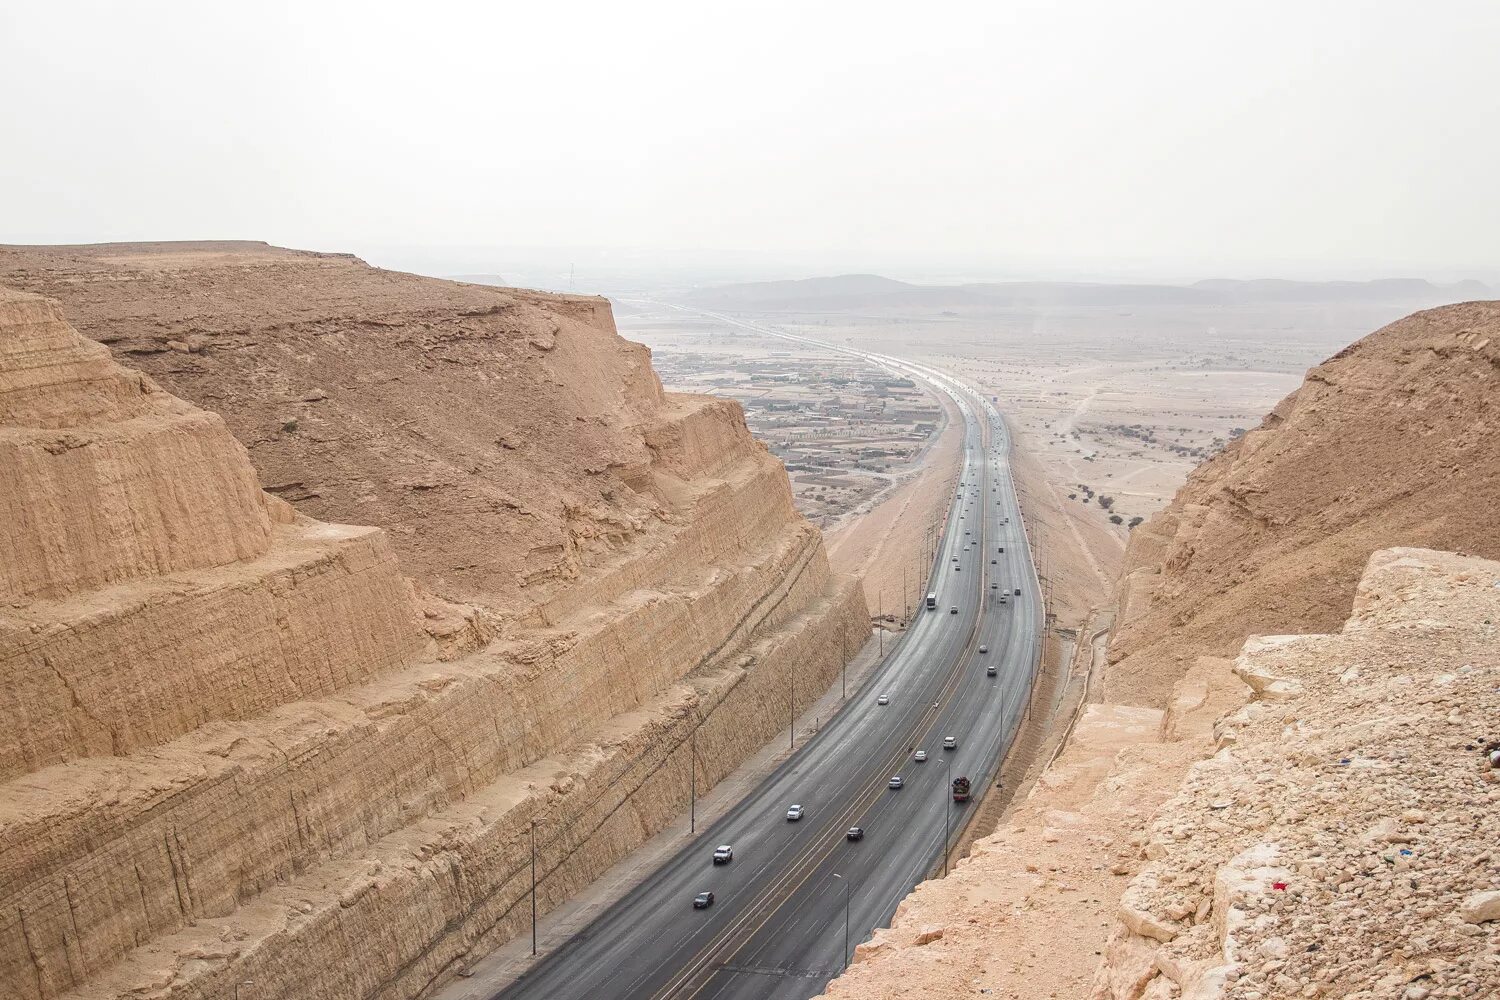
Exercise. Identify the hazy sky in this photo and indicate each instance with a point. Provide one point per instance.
(1199, 136)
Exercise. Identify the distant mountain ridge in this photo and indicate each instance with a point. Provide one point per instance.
(865, 291)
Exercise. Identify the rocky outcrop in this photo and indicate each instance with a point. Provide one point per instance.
(1389, 443)
(238, 745)
(1337, 844)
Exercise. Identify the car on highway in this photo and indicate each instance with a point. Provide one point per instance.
(723, 854)
(950, 742)
(884, 699)
(895, 781)
(920, 756)
(953, 610)
(856, 833)
(983, 648)
(794, 814)
(703, 900)
(1018, 591)
(989, 671)
(958, 569)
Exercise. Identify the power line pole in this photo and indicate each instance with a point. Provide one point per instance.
(844, 646)
(533, 886)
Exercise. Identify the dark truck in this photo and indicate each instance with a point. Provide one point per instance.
(960, 789)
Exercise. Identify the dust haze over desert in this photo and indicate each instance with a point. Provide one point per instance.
(469, 471)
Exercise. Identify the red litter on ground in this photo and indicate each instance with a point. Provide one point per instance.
(1280, 886)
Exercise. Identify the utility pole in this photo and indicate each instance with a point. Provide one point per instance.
(791, 731)
(533, 886)
(846, 918)
(843, 645)
(693, 782)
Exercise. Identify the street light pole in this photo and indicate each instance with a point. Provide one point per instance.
(693, 784)
(791, 730)
(846, 918)
(533, 887)
(948, 763)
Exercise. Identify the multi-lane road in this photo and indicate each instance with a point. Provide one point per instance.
(777, 926)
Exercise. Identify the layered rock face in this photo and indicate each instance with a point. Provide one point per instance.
(240, 748)
(1391, 442)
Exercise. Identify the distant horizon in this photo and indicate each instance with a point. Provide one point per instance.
(639, 268)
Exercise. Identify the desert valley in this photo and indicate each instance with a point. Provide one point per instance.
(764, 502)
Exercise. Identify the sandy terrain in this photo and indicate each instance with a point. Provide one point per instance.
(887, 547)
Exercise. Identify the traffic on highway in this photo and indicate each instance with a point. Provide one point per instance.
(770, 899)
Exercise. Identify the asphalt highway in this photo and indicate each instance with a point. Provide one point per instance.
(777, 925)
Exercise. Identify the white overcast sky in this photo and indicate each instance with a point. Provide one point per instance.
(1211, 135)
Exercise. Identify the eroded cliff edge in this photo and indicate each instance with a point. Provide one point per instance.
(240, 744)
(1271, 817)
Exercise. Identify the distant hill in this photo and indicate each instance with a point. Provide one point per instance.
(870, 291)
(844, 291)
(1383, 290)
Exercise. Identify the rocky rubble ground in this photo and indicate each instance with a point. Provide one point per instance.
(1343, 839)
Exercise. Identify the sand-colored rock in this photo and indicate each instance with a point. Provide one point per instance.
(1391, 442)
(287, 763)
(1338, 838)
(510, 443)
(75, 478)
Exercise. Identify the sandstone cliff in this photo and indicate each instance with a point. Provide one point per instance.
(1391, 442)
(238, 745)
(509, 442)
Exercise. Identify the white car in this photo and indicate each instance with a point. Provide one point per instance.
(723, 854)
(884, 699)
(794, 814)
(950, 742)
(895, 781)
(984, 649)
(920, 756)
